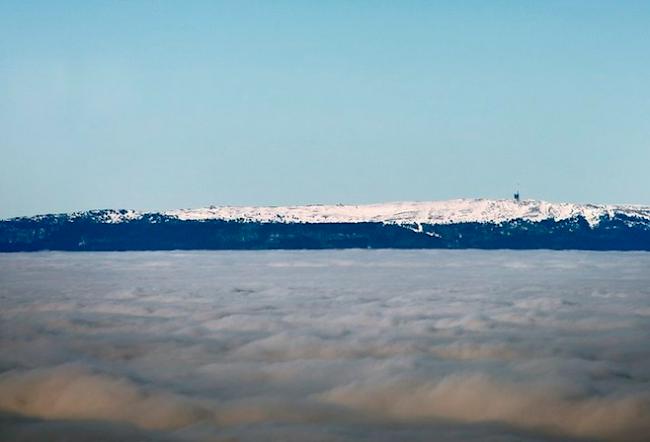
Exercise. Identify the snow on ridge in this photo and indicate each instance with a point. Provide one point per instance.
(406, 212)
(110, 216)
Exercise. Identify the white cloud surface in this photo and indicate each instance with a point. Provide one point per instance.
(331, 345)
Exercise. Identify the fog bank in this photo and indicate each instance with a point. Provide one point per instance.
(328, 345)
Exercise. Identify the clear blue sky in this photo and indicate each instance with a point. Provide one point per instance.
(155, 105)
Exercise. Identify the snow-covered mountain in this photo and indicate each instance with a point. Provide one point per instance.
(461, 223)
(400, 213)
(432, 212)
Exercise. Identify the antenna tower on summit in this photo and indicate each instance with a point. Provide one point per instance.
(516, 195)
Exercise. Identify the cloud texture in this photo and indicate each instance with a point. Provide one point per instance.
(331, 345)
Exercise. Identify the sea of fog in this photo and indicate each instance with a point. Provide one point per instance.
(325, 346)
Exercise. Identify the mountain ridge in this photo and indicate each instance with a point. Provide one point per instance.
(463, 223)
(398, 212)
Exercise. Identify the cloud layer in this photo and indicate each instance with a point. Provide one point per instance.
(332, 345)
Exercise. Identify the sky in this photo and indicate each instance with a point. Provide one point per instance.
(162, 105)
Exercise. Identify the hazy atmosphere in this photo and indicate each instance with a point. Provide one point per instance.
(328, 345)
(162, 105)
